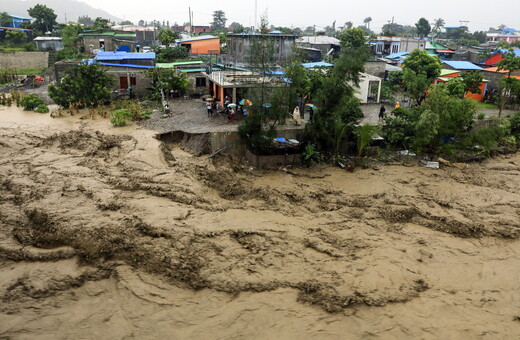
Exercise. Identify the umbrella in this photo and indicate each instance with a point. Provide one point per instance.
(245, 102)
(312, 106)
(232, 105)
(267, 105)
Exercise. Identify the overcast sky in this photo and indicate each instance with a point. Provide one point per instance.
(480, 14)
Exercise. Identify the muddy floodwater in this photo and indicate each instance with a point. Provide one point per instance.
(107, 233)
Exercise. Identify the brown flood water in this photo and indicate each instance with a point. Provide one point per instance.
(107, 233)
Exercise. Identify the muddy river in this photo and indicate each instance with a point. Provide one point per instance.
(107, 233)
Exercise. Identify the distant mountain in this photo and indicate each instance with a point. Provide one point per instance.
(70, 8)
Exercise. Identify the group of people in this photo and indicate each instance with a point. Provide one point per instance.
(232, 111)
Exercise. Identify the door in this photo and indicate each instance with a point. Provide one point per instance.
(123, 83)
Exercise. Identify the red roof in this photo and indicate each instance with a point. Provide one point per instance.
(494, 69)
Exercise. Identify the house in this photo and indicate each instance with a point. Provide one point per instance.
(504, 34)
(204, 44)
(496, 57)
(144, 36)
(196, 30)
(195, 71)
(146, 59)
(436, 49)
(471, 54)
(49, 43)
(369, 89)
(450, 74)
(396, 59)
(390, 45)
(311, 54)
(108, 41)
(240, 45)
(460, 65)
(327, 45)
(236, 83)
(18, 21)
(493, 75)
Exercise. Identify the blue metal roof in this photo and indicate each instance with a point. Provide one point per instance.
(462, 65)
(124, 56)
(504, 50)
(126, 65)
(397, 55)
(317, 64)
(17, 17)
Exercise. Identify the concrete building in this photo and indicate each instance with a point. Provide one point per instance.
(240, 45)
(390, 45)
(196, 30)
(49, 43)
(18, 21)
(327, 45)
(505, 34)
(108, 41)
(369, 89)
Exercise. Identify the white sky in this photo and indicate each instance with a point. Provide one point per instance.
(480, 14)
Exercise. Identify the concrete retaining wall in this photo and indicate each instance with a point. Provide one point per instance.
(18, 60)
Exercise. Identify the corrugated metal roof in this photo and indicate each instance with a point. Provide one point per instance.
(179, 63)
(445, 72)
(504, 50)
(47, 38)
(17, 17)
(202, 37)
(397, 55)
(462, 65)
(124, 56)
(317, 64)
(319, 40)
(115, 34)
(126, 65)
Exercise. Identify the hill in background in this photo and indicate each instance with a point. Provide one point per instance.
(69, 8)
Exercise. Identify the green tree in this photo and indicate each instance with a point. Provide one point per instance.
(5, 20)
(348, 25)
(352, 38)
(423, 27)
(44, 18)
(167, 80)
(510, 62)
(472, 81)
(70, 34)
(419, 71)
(15, 37)
(126, 22)
(219, 21)
(438, 24)
(83, 85)
(167, 36)
(101, 24)
(237, 27)
(171, 54)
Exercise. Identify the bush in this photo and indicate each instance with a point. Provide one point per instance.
(489, 136)
(120, 117)
(42, 108)
(481, 116)
(514, 121)
(30, 102)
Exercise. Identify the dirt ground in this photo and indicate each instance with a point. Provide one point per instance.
(108, 233)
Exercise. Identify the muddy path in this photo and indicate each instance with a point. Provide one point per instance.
(109, 233)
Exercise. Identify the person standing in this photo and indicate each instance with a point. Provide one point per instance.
(382, 112)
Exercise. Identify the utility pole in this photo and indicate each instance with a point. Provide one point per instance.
(189, 16)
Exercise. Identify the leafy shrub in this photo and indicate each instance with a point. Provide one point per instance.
(514, 121)
(42, 108)
(481, 116)
(489, 136)
(310, 155)
(121, 117)
(30, 102)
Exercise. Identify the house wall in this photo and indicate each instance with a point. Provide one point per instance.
(204, 46)
(24, 59)
(494, 59)
(192, 77)
(143, 83)
(240, 46)
(409, 45)
(54, 45)
(376, 68)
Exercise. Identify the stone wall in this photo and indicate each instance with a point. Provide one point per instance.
(19, 60)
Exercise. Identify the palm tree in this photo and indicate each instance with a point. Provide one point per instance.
(438, 24)
(367, 22)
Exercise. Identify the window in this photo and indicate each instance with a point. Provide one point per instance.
(200, 81)
(133, 81)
